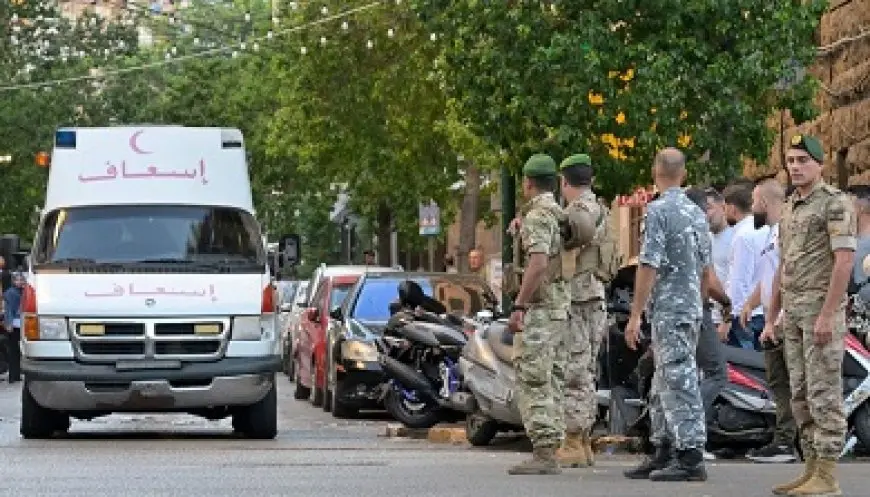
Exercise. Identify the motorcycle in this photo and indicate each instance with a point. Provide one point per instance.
(419, 354)
(744, 413)
(488, 373)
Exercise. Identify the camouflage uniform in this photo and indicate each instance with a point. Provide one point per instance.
(812, 228)
(676, 242)
(587, 324)
(540, 354)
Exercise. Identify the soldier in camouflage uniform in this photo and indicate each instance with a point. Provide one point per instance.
(673, 261)
(588, 317)
(540, 313)
(817, 248)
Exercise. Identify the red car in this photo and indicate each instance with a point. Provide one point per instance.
(326, 291)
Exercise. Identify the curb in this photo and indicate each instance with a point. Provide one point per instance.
(455, 435)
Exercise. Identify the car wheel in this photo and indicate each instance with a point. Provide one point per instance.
(327, 394)
(317, 398)
(302, 392)
(38, 421)
(260, 420)
(287, 362)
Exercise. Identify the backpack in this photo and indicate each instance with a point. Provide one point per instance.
(578, 234)
(609, 258)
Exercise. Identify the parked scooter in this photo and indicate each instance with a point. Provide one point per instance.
(419, 354)
(488, 373)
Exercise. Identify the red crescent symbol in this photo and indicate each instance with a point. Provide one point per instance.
(134, 145)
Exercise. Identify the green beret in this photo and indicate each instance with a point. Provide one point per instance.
(576, 160)
(809, 144)
(539, 165)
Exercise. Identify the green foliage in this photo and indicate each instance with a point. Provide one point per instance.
(525, 74)
(37, 44)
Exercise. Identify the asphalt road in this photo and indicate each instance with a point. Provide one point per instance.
(316, 455)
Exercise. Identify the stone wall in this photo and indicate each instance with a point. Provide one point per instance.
(843, 68)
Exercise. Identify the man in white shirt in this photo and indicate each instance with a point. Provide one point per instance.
(745, 260)
(723, 237)
(767, 204)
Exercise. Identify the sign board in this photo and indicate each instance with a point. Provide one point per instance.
(639, 198)
(430, 219)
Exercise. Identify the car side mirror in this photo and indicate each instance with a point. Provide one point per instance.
(290, 248)
(313, 314)
(336, 314)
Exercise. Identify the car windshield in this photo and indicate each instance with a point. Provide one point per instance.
(339, 292)
(288, 288)
(462, 296)
(150, 234)
(300, 293)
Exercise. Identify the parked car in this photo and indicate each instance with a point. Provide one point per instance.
(294, 308)
(327, 289)
(286, 289)
(354, 377)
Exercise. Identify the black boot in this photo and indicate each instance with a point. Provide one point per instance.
(687, 466)
(660, 460)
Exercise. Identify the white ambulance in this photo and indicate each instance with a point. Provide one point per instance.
(149, 288)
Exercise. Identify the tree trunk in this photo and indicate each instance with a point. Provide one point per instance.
(385, 221)
(468, 216)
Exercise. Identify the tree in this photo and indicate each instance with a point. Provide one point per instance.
(362, 106)
(38, 45)
(621, 79)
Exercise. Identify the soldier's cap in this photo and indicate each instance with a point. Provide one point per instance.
(576, 160)
(539, 165)
(809, 144)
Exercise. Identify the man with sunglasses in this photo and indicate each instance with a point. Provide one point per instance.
(817, 247)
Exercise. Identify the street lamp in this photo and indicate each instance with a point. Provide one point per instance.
(5, 159)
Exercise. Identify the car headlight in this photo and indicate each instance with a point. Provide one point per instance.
(247, 328)
(53, 329)
(359, 351)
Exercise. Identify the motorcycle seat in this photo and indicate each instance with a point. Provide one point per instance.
(502, 346)
(744, 357)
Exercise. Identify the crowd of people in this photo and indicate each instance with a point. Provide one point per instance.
(756, 266)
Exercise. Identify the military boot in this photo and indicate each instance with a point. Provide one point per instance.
(785, 488)
(587, 447)
(543, 462)
(572, 453)
(687, 466)
(822, 482)
(659, 460)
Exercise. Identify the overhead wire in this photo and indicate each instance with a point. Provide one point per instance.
(183, 58)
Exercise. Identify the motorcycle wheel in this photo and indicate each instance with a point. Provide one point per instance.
(861, 423)
(423, 415)
(480, 429)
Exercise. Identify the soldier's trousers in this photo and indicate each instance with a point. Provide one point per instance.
(676, 409)
(816, 377)
(587, 326)
(540, 357)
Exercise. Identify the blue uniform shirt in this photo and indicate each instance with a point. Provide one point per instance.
(676, 242)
